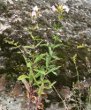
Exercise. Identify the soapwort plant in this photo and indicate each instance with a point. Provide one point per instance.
(39, 65)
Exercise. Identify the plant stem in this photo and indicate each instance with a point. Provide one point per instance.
(63, 101)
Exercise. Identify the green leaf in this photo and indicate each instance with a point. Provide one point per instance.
(50, 51)
(21, 77)
(28, 64)
(39, 58)
(48, 59)
(37, 75)
(53, 69)
(45, 81)
(31, 77)
(74, 58)
(39, 43)
(50, 86)
(37, 83)
(81, 46)
(55, 57)
(40, 72)
(56, 46)
(44, 45)
(54, 73)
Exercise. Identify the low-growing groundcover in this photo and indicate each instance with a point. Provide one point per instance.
(34, 51)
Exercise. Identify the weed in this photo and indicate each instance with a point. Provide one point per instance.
(39, 65)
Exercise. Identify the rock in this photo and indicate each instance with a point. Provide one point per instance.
(78, 18)
(16, 91)
(16, 25)
(3, 82)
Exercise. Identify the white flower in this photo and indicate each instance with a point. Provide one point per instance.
(66, 8)
(34, 14)
(53, 8)
(34, 11)
(35, 8)
(4, 27)
(10, 1)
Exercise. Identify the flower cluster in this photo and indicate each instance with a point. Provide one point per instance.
(60, 7)
(34, 11)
